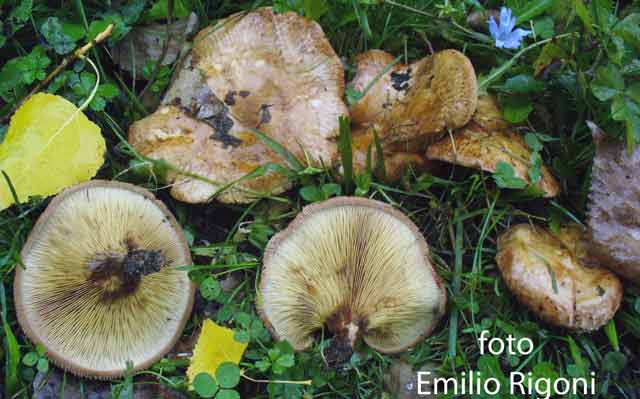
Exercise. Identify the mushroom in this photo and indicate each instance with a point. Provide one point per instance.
(614, 206)
(99, 286)
(358, 267)
(487, 140)
(410, 105)
(549, 274)
(397, 156)
(274, 73)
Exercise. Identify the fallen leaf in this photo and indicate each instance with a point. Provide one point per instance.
(614, 206)
(50, 145)
(146, 43)
(215, 346)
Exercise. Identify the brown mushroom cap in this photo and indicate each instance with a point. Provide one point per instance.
(357, 265)
(275, 73)
(421, 99)
(409, 106)
(485, 141)
(547, 273)
(99, 285)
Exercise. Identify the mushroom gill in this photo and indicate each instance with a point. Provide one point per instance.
(99, 285)
(358, 267)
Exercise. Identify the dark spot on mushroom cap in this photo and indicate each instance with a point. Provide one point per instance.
(265, 115)
(244, 93)
(229, 99)
(209, 109)
(400, 80)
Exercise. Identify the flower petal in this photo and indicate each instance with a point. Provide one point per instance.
(511, 43)
(505, 16)
(514, 39)
(493, 27)
(521, 33)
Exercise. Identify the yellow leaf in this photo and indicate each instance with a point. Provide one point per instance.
(215, 346)
(50, 145)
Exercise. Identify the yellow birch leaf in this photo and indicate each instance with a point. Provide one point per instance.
(50, 145)
(215, 346)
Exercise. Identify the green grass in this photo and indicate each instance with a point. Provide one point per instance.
(460, 212)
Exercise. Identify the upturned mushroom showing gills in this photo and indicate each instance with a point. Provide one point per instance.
(99, 286)
(551, 274)
(409, 106)
(274, 73)
(358, 267)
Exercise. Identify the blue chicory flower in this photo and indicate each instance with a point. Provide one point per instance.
(504, 34)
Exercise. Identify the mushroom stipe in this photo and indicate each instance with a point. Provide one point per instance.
(358, 267)
(99, 285)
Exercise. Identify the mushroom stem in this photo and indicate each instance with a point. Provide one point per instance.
(120, 275)
(353, 333)
(346, 333)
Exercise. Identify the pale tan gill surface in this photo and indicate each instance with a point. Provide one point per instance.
(66, 313)
(356, 256)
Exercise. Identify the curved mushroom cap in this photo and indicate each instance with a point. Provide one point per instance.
(99, 286)
(409, 106)
(547, 273)
(486, 141)
(421, 99)
(185, 141)
(356, 265)
(275, 73)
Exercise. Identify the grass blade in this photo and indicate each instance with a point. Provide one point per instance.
(455, 285)
(12, 351)
(276, 147)
(346, 153)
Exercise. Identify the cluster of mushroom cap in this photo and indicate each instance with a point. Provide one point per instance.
(411, 108)
(99, 285)
(278, 74)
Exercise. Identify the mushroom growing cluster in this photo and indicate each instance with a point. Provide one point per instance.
(353, 265)
(411, 107)
(99, 286)
(256, 71)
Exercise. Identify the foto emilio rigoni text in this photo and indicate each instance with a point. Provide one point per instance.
(519, 383)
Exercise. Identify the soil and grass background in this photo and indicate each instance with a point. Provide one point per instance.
(581, 62)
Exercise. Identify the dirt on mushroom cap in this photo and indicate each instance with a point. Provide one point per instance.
(547, 273)
(356, 265)
(276, 73)
(72, 296)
